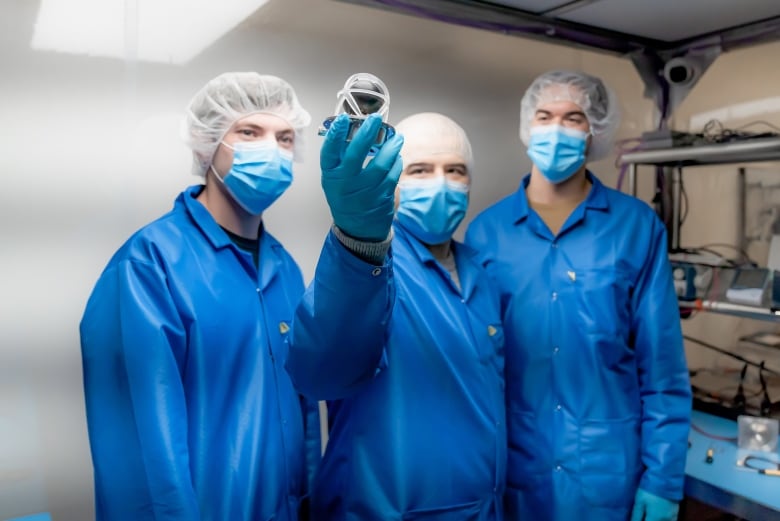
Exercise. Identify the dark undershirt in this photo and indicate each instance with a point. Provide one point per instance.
(248, 245)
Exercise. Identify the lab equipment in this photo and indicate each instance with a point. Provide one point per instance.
(757, 434)
(361, 198)
(230, 97)
(363, 94)
(749, 286)
(757, 444)
(684, 275)
(710, 455)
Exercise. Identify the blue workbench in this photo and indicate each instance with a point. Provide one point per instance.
(722, 484)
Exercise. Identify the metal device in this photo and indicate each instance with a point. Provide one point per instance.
(363, 94)
(749, 286)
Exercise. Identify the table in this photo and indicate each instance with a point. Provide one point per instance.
(721, 484)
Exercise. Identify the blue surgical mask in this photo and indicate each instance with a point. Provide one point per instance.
(261, 172)
(558, 152)
(431, 209)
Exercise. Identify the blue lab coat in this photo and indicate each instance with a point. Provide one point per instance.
(191, 415)
(414, 369)
(598, 394)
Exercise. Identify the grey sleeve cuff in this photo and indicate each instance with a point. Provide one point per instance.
(372, 252)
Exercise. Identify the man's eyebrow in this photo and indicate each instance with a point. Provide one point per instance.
(570, 113)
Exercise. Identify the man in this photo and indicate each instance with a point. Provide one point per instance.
(598, 394)
(191, 414)
(407, 346)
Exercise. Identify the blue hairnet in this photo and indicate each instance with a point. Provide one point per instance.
(233, 96)
(596, 100)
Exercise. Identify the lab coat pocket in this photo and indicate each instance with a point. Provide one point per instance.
(603, 300)
(472, 511)
(610, 461)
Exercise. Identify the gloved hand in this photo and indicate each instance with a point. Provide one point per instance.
(649, 507)
(361, 199)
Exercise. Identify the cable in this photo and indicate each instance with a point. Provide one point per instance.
(728, 353)
(715, 132)
(731, 263)
(741, 251)
(759, 122)
(739, 400)
(766, 404)
(685, 199)
(767, 466)
(710, 435)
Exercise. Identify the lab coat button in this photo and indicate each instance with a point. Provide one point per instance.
(555, 350)
(376, 272)
(558, 407)
(555, 296)
(557, 468)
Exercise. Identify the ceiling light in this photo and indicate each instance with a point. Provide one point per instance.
(165, 31)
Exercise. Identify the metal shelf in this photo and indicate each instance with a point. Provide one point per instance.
(727, 308)
(749, 151)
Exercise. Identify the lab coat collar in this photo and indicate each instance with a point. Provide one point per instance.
(596, 200)
(426, 258)
(267, 257)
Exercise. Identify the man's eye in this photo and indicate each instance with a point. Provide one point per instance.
(246, 132)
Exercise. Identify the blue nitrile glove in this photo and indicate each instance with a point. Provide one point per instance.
(361, 199)
(649, 507)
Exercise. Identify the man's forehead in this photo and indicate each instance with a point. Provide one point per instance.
(264, 120)
(556, 92)
(438, 156)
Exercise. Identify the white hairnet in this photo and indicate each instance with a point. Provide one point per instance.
(429, 133)
(233, 96)
(596, 100)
